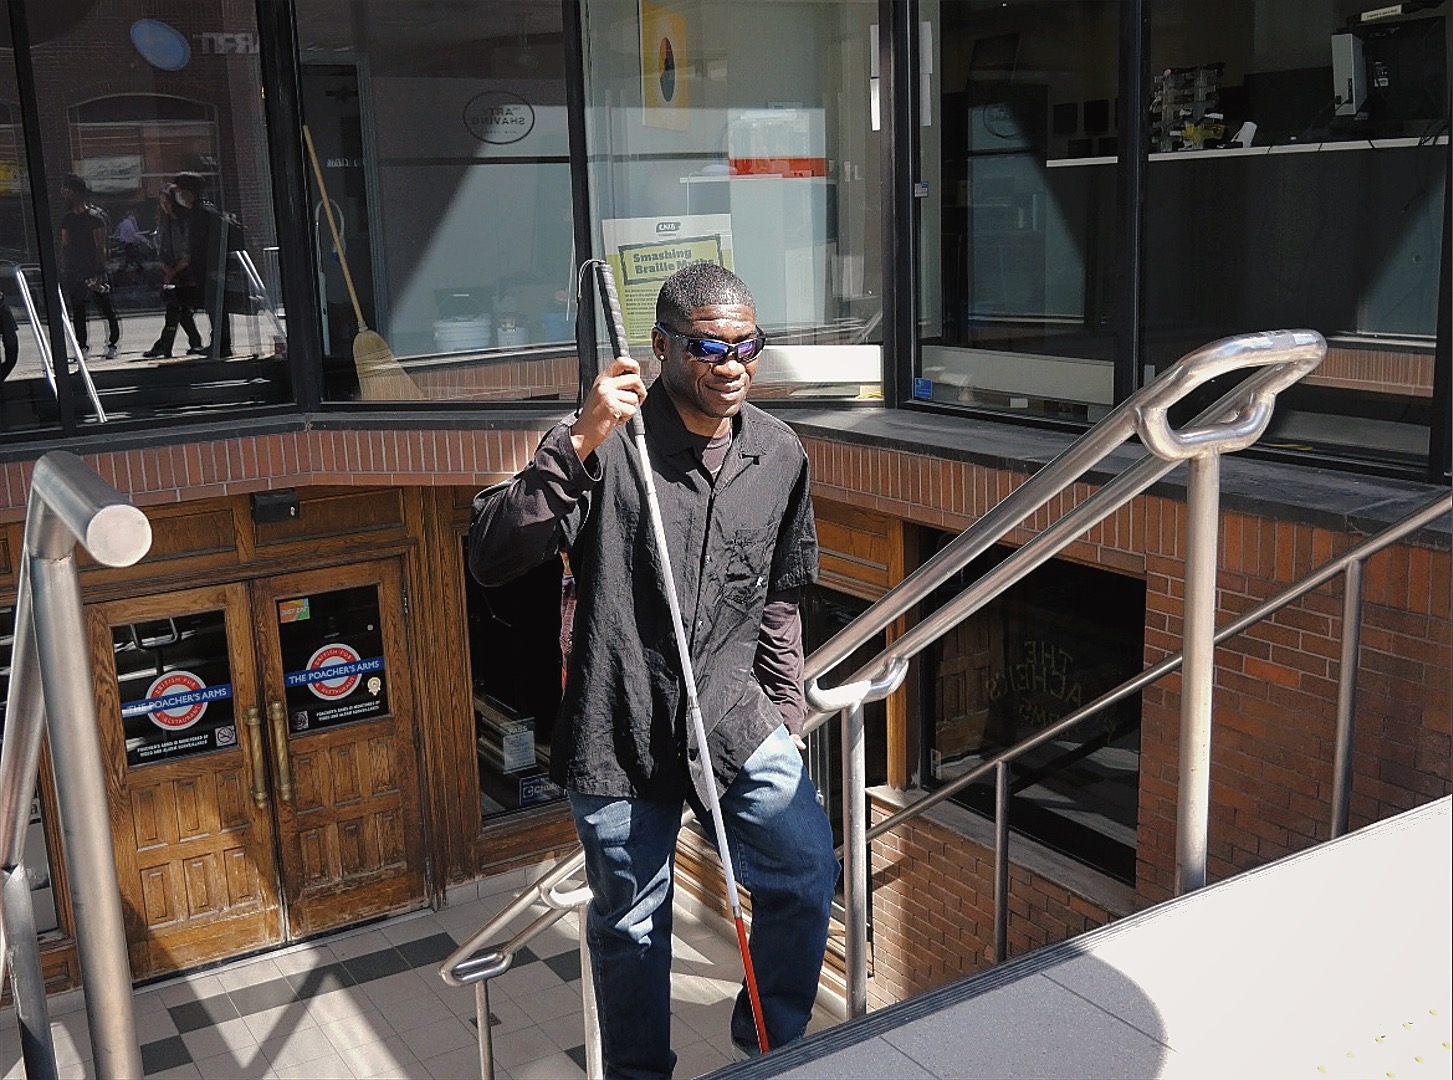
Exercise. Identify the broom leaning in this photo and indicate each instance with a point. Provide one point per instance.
(380, 378)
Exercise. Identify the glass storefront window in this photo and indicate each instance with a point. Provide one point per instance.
(1018, 137)
(173, 303)
(1273, 202)
(741, 132)
(441, 135)
(516, 674)
(1055, 641)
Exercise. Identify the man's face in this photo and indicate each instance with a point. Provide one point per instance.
(707, 395)
(73, 196)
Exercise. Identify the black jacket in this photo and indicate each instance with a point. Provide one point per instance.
(732, 540)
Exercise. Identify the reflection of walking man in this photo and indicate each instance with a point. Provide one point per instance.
(733, 488)
(179, 280)
(11, 335)
(208, 257)
(84, 247)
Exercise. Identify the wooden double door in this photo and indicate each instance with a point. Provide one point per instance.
(263, 750)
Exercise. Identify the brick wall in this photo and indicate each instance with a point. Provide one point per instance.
(933, 909)
(168, 474)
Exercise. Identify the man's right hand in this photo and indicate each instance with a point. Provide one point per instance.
(615, 397)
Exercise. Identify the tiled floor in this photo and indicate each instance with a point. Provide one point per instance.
(370, 1003)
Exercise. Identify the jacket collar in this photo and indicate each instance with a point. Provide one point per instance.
(670, 433)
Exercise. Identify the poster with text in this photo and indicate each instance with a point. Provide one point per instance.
(663, 68)
(332, 651)
(643, 252)
(174, 678)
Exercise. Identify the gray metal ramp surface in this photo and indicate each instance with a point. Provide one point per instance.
(1335, 962)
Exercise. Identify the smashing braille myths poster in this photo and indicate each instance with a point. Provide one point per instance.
(643, 252)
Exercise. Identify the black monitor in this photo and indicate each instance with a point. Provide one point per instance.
(1407, 71)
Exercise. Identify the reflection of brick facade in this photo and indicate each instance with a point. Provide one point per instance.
(96, 59)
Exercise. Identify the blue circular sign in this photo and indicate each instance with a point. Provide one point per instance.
(160, 44)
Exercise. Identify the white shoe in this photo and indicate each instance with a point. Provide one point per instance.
(110, 352)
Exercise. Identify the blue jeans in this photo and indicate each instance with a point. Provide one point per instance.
(782, 850)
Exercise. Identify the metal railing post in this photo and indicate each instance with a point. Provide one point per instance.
(19, 764)
(1346, 696)
(60, 637)
(590, 1008)
(69, 503)
(22, 286)
(27, 981)
(1001, 861)
(855, 859)
(1203, 506)
(486, 1036)
(849, 699)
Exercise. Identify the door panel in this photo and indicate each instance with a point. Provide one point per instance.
(194, 845)
(340, 704)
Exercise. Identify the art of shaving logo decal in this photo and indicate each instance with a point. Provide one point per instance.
(176, 700)
(334, 671)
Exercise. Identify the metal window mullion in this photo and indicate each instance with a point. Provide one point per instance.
(573, 25)
(1129, 302)
(282, 108)
(45, 233)
(897, 46)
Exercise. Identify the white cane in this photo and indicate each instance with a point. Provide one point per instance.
(617, 332)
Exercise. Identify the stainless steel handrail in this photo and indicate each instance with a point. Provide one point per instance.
(50, 690)
(22, 286)
(1231, 424)
(47, 361)
(1349, 562)
(463, 968)
(1283, 355)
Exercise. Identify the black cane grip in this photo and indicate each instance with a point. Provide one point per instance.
(615, 325)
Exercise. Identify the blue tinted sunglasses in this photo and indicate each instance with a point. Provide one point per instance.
(714, 352)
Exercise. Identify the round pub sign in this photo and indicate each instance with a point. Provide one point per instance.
(499, 117)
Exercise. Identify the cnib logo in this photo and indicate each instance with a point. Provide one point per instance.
(668, 228)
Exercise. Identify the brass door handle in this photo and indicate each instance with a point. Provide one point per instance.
(278, 719)
(252, 719)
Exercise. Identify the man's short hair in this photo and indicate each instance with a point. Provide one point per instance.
(188, 181)
(695, 286)
(72, 182)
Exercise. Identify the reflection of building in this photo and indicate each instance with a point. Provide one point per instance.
(937, 289)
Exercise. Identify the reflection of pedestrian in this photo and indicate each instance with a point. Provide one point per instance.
(733, 490)
(134, 244)
(208, 257)
(11, 335)
(84, 246)
(179, 286)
